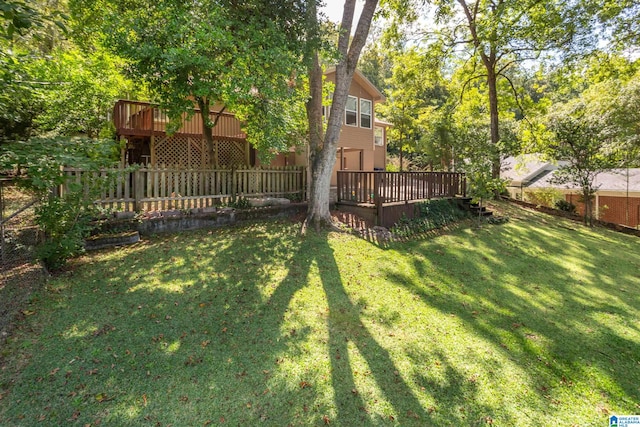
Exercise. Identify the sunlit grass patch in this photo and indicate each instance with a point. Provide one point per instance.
(533, 322)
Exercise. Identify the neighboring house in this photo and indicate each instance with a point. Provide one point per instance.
(362, 144)
(617, 199)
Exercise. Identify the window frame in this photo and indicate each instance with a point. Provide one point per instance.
(355, 112)
(381, 129)
(370, 114)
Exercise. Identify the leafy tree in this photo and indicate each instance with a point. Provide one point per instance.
(376, 63)
(19, 105)
(578, 142)
(244, 55)
(77, 91)
(623, 19)
(614, 105)
(496, 35)
(414, 92)
(46, 84)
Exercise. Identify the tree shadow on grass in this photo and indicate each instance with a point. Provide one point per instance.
(345, 326)
(556, 321)
(197, 329)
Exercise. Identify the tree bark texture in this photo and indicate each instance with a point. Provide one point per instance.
(207, 130)
(489, 60)
(322, 156)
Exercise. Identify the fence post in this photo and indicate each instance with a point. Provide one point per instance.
(464, 185)
(138, 190)
(234, 183)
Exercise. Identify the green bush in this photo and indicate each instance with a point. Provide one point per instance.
(543, 196)
(240, 203)
(64, 220)
(430, 216)
(565, 205)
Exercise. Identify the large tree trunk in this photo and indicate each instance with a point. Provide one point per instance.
(489, 60)
(322, 154)
(319, 185)
(207, 129)
(495, 121)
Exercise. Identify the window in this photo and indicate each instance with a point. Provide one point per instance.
(378, 136)
(351, 111)
(365, 113)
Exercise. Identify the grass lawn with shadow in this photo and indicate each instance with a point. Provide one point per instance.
(530, 323)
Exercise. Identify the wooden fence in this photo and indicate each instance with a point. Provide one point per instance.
(165, 188)
(392, 187)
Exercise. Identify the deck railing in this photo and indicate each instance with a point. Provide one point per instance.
(165, 188)
(137, 118)
(392, 187)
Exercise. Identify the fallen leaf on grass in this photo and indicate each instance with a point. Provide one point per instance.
(102, 397)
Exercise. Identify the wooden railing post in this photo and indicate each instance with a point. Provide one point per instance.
(379, 198)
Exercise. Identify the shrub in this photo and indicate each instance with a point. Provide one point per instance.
(64, 220)
(565, 205)
(543, 196)
(240, 203)
(429, 216)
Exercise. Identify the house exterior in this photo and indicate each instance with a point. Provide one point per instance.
(143, 127)
(617, 199)
(363, 139)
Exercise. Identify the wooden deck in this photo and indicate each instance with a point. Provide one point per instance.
(143, 119)
(382, 198)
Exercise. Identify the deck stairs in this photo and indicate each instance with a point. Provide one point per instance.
(474, 208)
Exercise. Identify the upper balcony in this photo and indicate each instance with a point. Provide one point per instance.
(136, 118)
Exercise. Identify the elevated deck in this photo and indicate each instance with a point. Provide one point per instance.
(382, 198)
(144, 119)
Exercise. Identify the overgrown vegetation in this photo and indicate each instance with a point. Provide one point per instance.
(565, 205)
(528, 324)
(543, 196)
(429, 216)
(64, 219)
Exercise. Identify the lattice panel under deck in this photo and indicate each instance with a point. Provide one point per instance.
(180, 150)
(230, 153)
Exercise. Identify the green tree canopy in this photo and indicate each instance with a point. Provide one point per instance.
(244, 55)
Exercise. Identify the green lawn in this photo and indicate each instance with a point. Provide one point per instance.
(531, 323)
